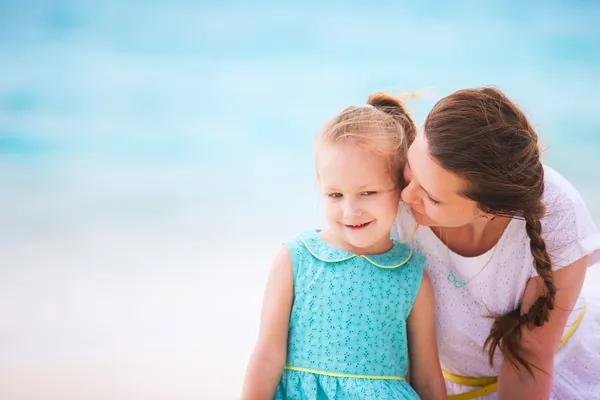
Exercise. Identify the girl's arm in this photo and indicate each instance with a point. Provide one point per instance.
(425, 371)
(540, 343)
(269, 355)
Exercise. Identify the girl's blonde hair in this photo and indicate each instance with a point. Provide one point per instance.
(382, 126)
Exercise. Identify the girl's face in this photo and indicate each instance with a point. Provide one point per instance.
(361, 196)
(433, 193)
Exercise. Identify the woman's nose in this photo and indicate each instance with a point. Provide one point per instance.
(410, 194)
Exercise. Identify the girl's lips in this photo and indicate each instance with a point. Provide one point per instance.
(359, 226)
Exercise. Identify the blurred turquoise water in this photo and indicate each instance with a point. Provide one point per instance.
(235, 89)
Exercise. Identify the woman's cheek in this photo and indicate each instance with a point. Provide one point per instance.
(434, 212)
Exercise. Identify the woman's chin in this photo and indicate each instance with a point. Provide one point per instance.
(421, 219)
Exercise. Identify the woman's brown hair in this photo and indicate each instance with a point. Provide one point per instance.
(484, 138)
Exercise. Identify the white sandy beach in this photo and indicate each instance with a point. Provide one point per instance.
(131, 315)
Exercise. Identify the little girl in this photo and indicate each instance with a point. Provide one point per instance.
(346, 308)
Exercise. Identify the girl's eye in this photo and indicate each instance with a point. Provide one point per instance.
(335, 195)
(369, 193)
(432, 201)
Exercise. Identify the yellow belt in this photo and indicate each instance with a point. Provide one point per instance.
(487, 385)
(339, 375)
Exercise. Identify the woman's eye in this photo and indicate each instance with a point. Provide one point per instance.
(335, 195)
(432, 201)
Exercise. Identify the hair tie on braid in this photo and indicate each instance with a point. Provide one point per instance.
(540, 311)
(524, 319)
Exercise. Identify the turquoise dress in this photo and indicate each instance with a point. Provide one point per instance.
(347, 330)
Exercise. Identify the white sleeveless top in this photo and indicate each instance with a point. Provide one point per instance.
(569, 233)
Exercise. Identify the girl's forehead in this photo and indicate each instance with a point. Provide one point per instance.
(349, 163)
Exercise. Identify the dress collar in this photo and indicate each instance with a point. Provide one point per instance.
(397, 256)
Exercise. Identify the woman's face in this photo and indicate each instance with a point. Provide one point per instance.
(433, 193)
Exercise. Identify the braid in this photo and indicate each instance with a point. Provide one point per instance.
(506, 330)
(540, 311)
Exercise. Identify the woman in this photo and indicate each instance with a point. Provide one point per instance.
(507, 242)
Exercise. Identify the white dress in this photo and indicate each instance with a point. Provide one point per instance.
(570, 234)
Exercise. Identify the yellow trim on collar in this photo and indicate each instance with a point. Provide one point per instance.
(356, 255)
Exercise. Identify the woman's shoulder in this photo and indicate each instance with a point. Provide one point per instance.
(567, 226)
(562, 200)
(558, 190)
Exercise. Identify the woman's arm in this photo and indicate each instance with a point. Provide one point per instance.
(540, 343)
(425, 371)
(269, 355)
